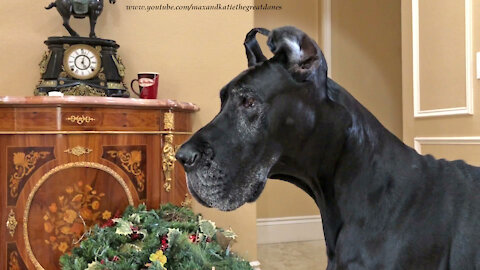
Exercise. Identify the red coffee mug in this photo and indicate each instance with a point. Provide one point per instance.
(147, 84)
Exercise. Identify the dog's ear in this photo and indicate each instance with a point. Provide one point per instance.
(299, 53)
(254, 53)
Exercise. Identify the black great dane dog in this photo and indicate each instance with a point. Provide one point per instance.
(383, 205)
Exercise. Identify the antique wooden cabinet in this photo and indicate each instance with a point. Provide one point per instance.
(69, 162)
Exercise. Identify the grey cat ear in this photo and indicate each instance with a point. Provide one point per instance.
(254, 53)
(298, 52)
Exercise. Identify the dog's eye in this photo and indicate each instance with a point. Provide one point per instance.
(248, 102)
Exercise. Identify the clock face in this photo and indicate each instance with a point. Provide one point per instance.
(82, 61)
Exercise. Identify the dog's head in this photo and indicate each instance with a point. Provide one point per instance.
(263, 110)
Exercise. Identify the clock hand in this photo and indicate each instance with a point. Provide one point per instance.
(83, 62)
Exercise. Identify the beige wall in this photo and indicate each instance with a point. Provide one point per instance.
(196, 53)
(366, 56)
(446, 58)
(282, 199)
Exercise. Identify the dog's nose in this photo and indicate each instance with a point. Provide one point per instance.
(188, 155)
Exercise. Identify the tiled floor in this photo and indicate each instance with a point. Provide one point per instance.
(293, 256)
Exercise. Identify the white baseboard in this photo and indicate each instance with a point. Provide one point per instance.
(289, 229)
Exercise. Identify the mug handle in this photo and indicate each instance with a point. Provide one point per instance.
(133, 90)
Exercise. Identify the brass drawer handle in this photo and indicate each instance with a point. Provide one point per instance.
(11, 222)
(78, 151)
(80, 119)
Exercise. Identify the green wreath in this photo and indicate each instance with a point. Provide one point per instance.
(171, 237)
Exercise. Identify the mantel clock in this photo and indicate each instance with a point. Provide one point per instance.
(82, 66)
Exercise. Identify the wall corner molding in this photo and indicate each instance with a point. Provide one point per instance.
(468, 109)
(327, 33)
(419, 141)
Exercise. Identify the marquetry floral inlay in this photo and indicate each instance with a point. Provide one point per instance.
(131, 162)
(168, 161)
(24, 165)
(70, 214)
(13, 263)
(80, 119)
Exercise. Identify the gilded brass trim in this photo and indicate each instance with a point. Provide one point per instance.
(168, 161)
(131, 162)
(24, 164)
(120, 67)
(44, 62)
(44, 178)
(80, 119)
(82, 90)
(102, 76)
(78, 151)
(11, 223)
(36, 92)
(115, 85)
(63, 74)
(13, 263)
(93, 132)
(187, 202)
(47, 83)
(169, 121)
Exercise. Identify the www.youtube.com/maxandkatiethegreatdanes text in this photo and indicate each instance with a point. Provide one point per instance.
(197, 7)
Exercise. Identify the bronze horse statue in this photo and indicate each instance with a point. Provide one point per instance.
(79, 9)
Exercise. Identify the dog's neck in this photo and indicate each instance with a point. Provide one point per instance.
(348, 181)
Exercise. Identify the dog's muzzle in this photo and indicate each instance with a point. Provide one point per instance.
(205, 178)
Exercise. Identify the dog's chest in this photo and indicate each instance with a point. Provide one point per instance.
(362, 249)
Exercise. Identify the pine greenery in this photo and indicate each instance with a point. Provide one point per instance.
(187, 241)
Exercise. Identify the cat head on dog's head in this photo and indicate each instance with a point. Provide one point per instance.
(228, 161)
